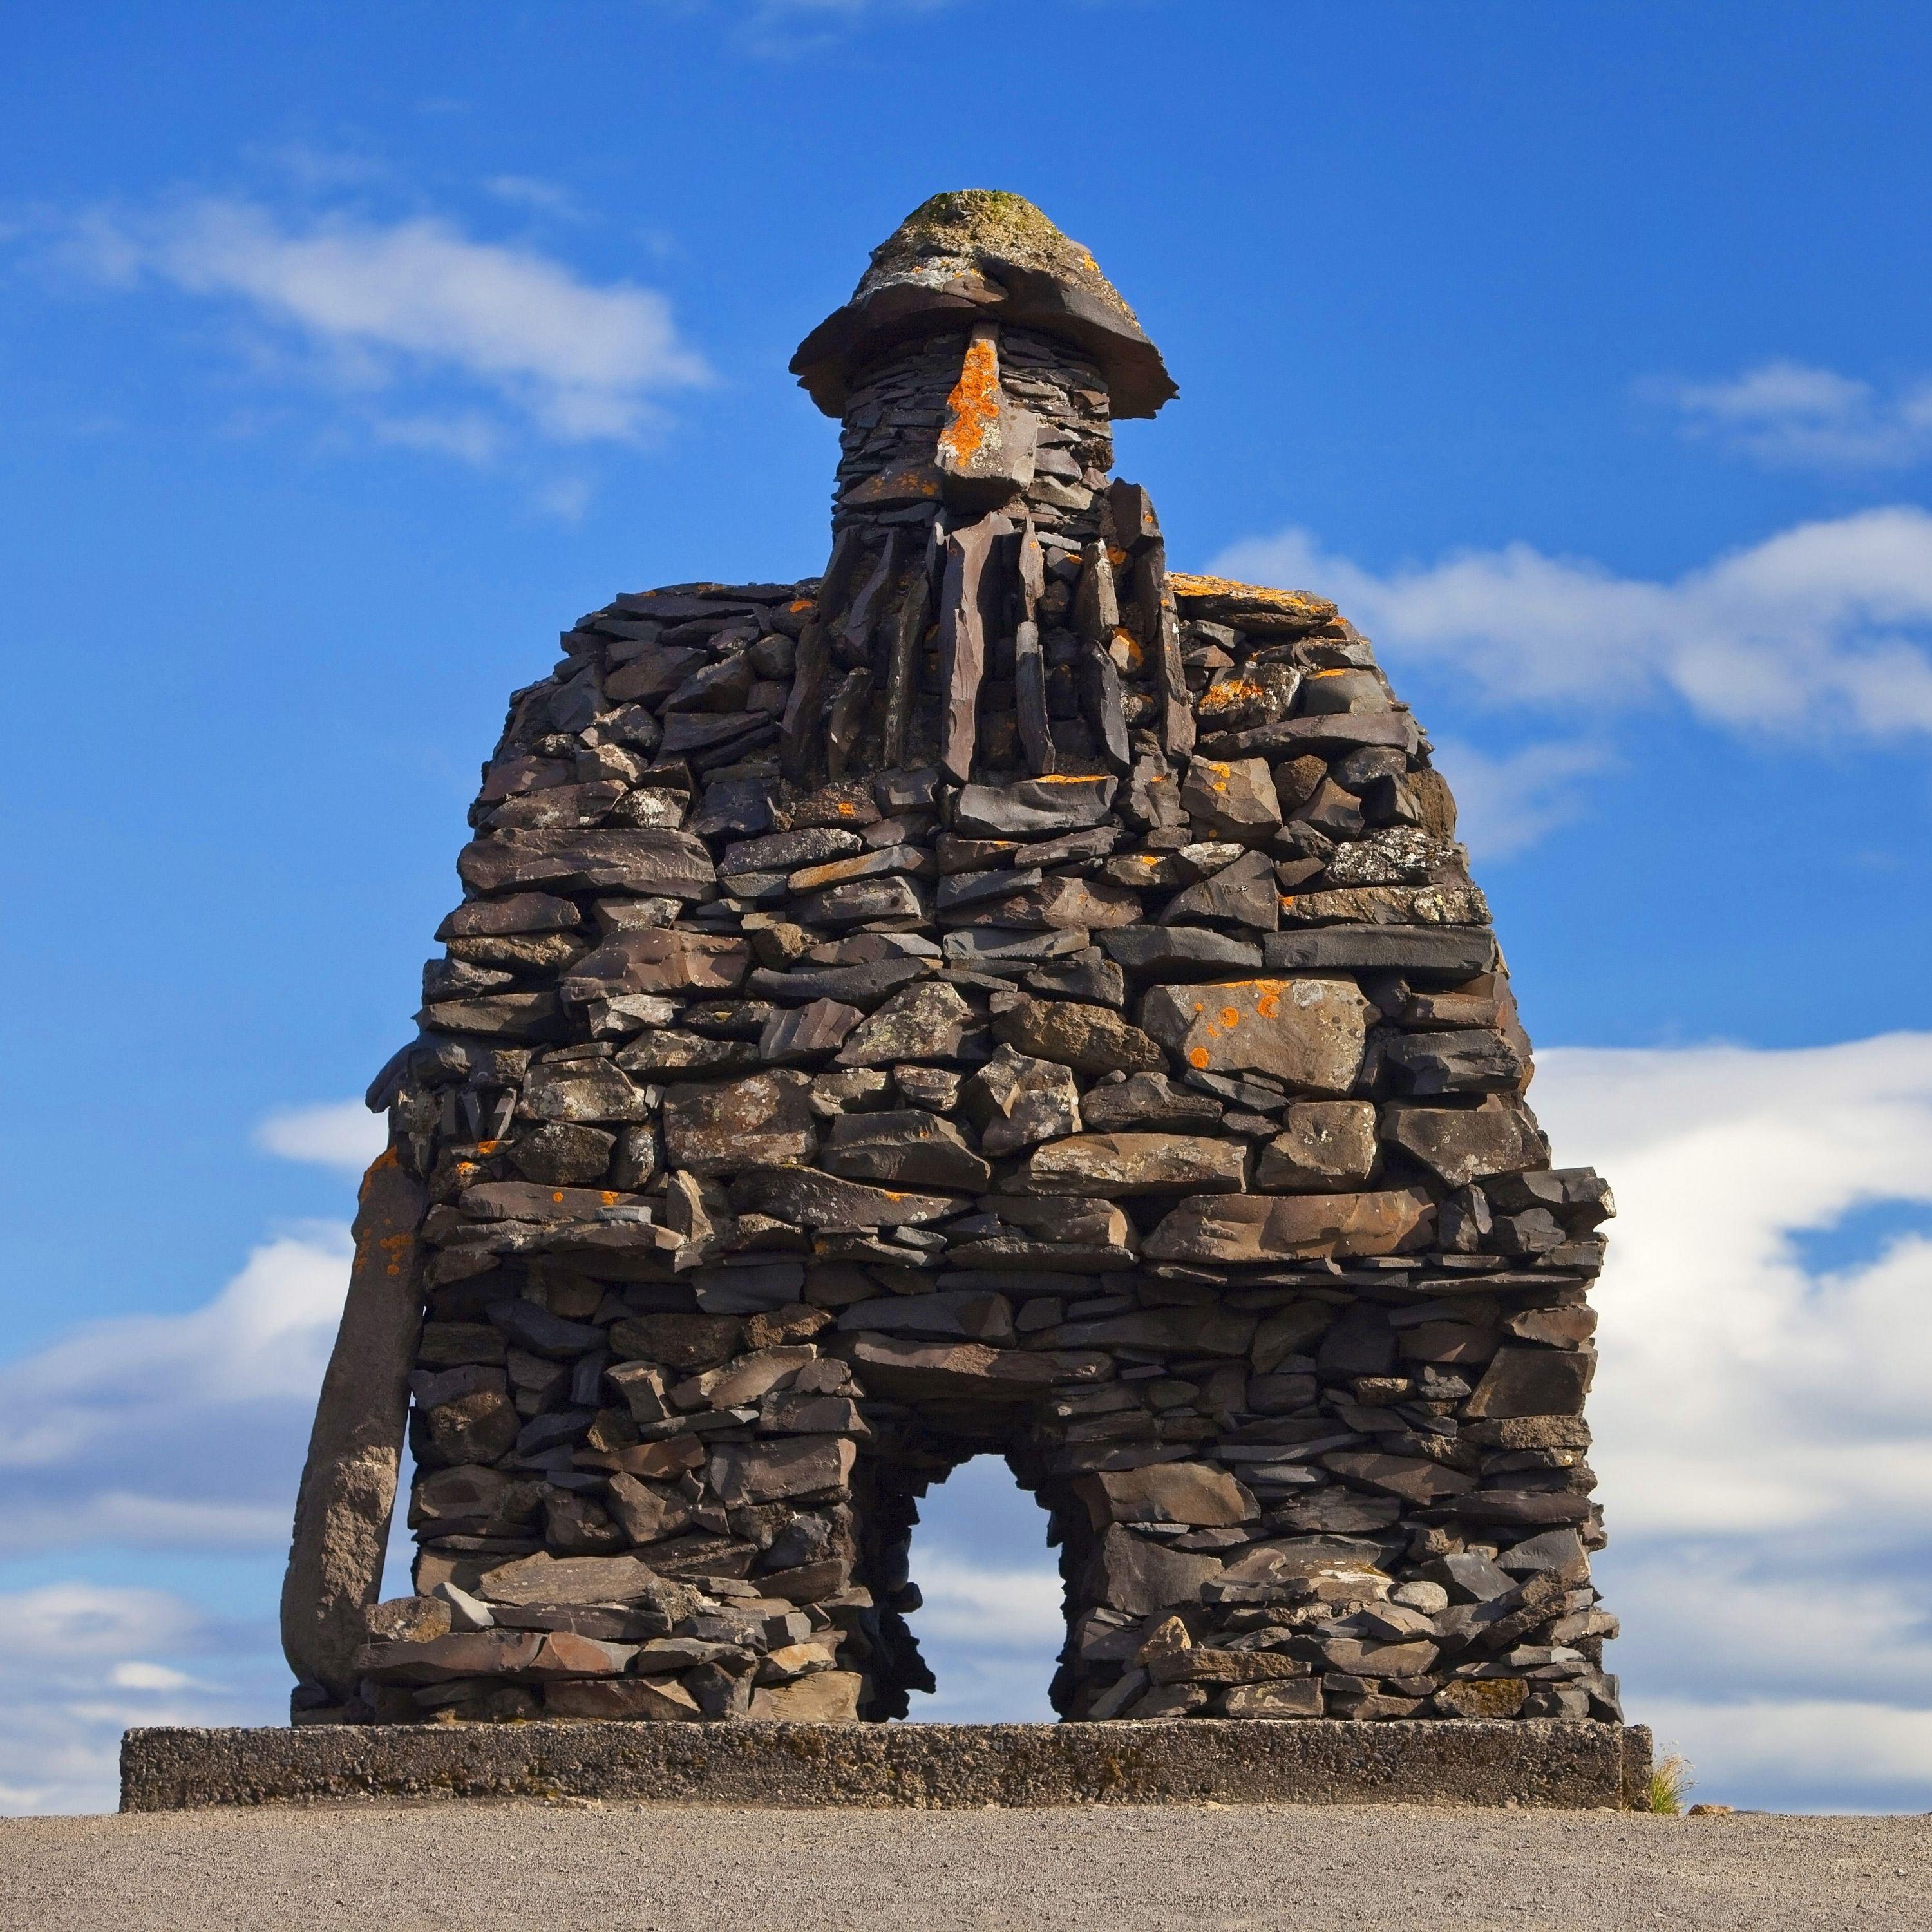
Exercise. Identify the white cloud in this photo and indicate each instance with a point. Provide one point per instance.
(973, 1602)
(1762, 1436)
(174, 1431)
(1795, 1396)
(1793, 414)
(136, 1675)
(332, 1133)
(1819, 632)
(148, 1439)
(386, 307)
(1853, 1755)
(70, 1622)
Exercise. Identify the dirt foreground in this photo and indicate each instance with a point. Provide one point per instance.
(578, 1864)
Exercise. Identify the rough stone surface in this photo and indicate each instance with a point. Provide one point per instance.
(1579, 1766)
(349, 1481)
(1309, 1033)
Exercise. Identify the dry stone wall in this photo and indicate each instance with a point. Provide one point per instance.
(1001, 996)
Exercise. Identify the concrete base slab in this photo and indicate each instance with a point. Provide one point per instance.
(1552, 1762)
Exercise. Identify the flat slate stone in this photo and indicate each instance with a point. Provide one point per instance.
(1180, 951)
(1551, 1763)
(1451, 952)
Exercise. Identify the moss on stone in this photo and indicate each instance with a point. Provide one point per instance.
(971, 229)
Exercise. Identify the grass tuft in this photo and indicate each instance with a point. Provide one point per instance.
(1663, 1791)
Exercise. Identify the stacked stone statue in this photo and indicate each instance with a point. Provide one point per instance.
(1003, 995)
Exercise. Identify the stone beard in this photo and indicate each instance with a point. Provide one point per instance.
(1001, 995)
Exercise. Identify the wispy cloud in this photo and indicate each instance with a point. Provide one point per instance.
(539, 196)
(1507, 801)
(125, 1432)
(341, 1134)
(81, 1665)
(1817, 634)
(780, 28)
(162, 1448)
(1794, 414)
(452, 338)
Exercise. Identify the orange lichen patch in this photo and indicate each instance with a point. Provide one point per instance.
(799, 603)
(1185, 584)
(1189, 588)
(610, 1200)
(1228, 697)
(1117, 558)
(1199, 1056)
(974, 402)
(1127, 646)
(1268, 1003)
(1231, 1016)
(387, 1159)
(486, 1148)
(847, 809)
(558, 1196)
(396, 1251)
(1068, 777)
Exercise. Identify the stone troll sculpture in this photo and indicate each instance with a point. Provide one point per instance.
(1001, 995)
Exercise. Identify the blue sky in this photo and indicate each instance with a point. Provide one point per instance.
(347, 354)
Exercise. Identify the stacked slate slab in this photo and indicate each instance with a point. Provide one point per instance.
(1001, 995)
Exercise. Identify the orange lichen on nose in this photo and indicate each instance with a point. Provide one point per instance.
(974, 402)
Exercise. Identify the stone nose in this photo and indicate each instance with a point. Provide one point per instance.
(987, 446)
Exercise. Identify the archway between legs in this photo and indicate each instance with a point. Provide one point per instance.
(991, 1626)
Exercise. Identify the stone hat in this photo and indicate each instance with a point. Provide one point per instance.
(978, 254)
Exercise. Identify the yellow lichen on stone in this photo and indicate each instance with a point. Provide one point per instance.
(1188, 589)
(974, 403)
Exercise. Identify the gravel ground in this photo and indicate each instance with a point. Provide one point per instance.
(640, 1868)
